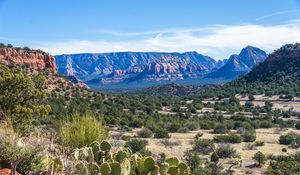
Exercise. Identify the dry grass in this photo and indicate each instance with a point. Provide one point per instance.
(268, 136)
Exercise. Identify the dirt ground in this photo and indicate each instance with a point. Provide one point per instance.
(179, 143)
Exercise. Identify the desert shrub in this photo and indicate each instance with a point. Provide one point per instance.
(248, 136)
(203, 146)
(192, 159)
(183, 130)
(286, 139)
(170, 143)
(207, 124)
(266, 124)
(229, 124)
(259, 143)
(161, 133)
(31, 158)
(260, 158)
(136, 123)
(284, 150)
(251, 97)
(220, 129)
(198, 135)
(80, 131)
(226, 151)
(297, 125)
(174, 127)
(231, 138)
(125, 137)
(284, 165)
(193, 126)
(138, 145)
(145, 133)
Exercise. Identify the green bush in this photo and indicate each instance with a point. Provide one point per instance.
(138, 145)
(203, 146)
(207, 124)
(266, 124)
(31, 158)
(193, 126)
(226, 151)
(231, 138)
(83, 130)
(161, 133)
(260, 158)
(220, 129)
(259, 143)
(145, 133)
(248, 136)
(286, 139)
(297, 125)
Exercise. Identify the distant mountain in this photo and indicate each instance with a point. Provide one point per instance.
(280, 66)
(239, 64)
(126, 67)
(279, 74)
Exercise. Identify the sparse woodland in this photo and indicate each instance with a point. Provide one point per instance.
(52, 126)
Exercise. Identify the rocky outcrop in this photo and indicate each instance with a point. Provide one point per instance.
(33, 58)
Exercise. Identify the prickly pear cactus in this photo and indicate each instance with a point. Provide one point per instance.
(96, 151)
(173, 170)
(128, 151)
(115, 168)
(155, 171)
(140, 165)
(93, 168)
(80, 168)
(125, 167)
(105, 146)
(120, 156)
(90, 155)
(173, 161)
(58, 164)
(83, 153)
(149, 164)
(105, 168)
(133, 162)
(164, 167)
(183, 169)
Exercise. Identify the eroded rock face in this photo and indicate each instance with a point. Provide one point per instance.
(134, 66)
(34, 59)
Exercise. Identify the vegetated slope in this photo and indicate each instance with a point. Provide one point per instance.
(279, 74)
(240, 64)
(119, 67)
(174, 90)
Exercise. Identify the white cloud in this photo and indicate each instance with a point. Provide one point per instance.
(218, 41)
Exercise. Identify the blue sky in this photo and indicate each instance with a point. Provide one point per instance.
(213, 27)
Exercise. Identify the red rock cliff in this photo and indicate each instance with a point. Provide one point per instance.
(35, 59)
